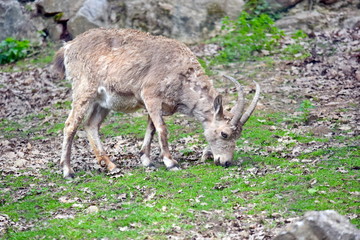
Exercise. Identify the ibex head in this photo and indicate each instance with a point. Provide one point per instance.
(225, 127)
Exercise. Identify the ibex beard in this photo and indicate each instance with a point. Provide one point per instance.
(125, 70)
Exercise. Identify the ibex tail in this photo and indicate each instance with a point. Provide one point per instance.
(59, 62)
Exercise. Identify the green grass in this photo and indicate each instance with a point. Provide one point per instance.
(40, 57)
(175, 198)
(126, 125)
(133, 126)
(144, 204)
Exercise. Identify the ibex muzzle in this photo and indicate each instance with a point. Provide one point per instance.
(124, 70)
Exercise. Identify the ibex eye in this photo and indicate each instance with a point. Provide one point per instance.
(224, 135)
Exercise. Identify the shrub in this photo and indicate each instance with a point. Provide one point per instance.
(257, 7)
(250, 36)
(11, 50)
(247, 35)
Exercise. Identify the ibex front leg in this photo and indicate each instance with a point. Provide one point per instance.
(145, 149)
(155, 113)
(92, 125)
(207, 154)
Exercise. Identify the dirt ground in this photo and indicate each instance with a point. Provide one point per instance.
(329, 78)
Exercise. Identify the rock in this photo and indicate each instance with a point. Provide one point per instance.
(80, 24)
(64, 216)
(10, 155)
(69, 8)
(15, 22)
(92, 209)
(279, 5)
(320, 131)
(304, 20)
(352, 21)
(188, 21)
(357, 75)
(329, 1)
(92, 14)
(20, 163)
(318, 225)
(77, 205)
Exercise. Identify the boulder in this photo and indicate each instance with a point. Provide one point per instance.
(69, 8)
(92, 209)
(280, 5)
(319, 225)
(352, 21)
(92, 14)
(329, 1)
(189, 21)
(15, 22)
(307, 21)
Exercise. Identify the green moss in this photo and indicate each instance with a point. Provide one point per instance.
(215, 10)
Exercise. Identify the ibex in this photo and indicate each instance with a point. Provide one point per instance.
(124, 70)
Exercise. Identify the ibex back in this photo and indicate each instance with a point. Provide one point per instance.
(124, 70)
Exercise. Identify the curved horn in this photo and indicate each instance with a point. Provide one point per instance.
(252, 106)
(238, 109)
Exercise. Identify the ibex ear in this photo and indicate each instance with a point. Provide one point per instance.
(218, 108)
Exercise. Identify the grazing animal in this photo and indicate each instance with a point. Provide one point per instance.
(125, 70)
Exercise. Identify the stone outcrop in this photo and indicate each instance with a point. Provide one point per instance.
(329, 1)
(322, 225)
(188, 21)
(279, 5)
(311, 17)
(15, 21)
(305, 20)
(91, 14)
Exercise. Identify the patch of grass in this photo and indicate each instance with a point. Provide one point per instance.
(29, 127)
(44, 58)
(303, 115)
(119, 124)
(32, 117)
(152, 203)
(254, 37)
(56, 128)
(144, 204)
(40, 57)
(9, 128)
(63, 105)
(8, 125)
(246, 35)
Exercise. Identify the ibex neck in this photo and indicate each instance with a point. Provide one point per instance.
(198, 99)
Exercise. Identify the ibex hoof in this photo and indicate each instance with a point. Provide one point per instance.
(175, 167)
(111, 167)
(69, 173)
(114, 170)
(69, 176)
(206, 156)
(151, 166)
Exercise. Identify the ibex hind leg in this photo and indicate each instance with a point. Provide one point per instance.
(96, 116)
(77, 113)
(145, 149)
